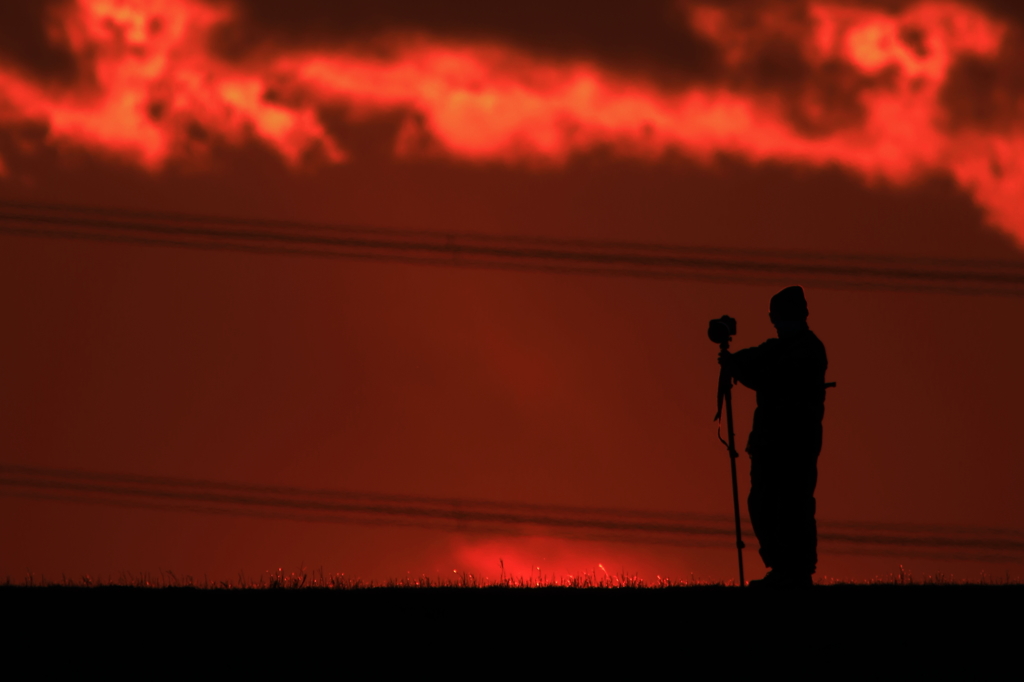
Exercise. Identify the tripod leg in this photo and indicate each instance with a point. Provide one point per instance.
(733, 455)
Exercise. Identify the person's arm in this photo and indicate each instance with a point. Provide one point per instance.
(746, 365)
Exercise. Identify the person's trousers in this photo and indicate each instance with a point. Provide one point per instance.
(782, 506)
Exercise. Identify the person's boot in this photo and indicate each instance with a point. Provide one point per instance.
(769, 581)
(782, 580)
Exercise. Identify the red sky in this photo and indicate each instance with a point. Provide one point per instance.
(890, 128)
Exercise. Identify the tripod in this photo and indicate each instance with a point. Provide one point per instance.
(725, 394)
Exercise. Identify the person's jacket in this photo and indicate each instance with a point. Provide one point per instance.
(789, 377)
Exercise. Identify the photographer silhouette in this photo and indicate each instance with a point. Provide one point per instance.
(788, 374)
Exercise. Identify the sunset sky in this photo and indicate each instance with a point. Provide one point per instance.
(878, 128)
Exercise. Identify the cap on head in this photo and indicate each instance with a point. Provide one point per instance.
(789, 305)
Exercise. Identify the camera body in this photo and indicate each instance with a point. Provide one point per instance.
(722, 330)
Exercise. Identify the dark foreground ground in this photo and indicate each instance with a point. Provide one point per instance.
(703, 631)
(945, 610)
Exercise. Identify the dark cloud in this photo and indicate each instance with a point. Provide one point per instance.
(1006, 10)
(763, 52)
(986, 93)
(24, 39)
(651, 35)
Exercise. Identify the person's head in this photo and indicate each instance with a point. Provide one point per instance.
(788, 310)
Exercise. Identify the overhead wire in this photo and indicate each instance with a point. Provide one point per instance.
(465, 250)
(484, 516)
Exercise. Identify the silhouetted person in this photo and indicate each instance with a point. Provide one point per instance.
(788, 374)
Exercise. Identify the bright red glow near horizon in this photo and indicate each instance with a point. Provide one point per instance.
(540, 560)
(155, 90)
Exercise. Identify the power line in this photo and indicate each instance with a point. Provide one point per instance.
(449, 249)
(484, 516)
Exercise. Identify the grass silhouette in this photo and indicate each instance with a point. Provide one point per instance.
(319, 580)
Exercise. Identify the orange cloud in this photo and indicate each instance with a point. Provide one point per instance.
(153, 89)
(156, 90)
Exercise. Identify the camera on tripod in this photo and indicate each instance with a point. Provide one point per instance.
(722, 330)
